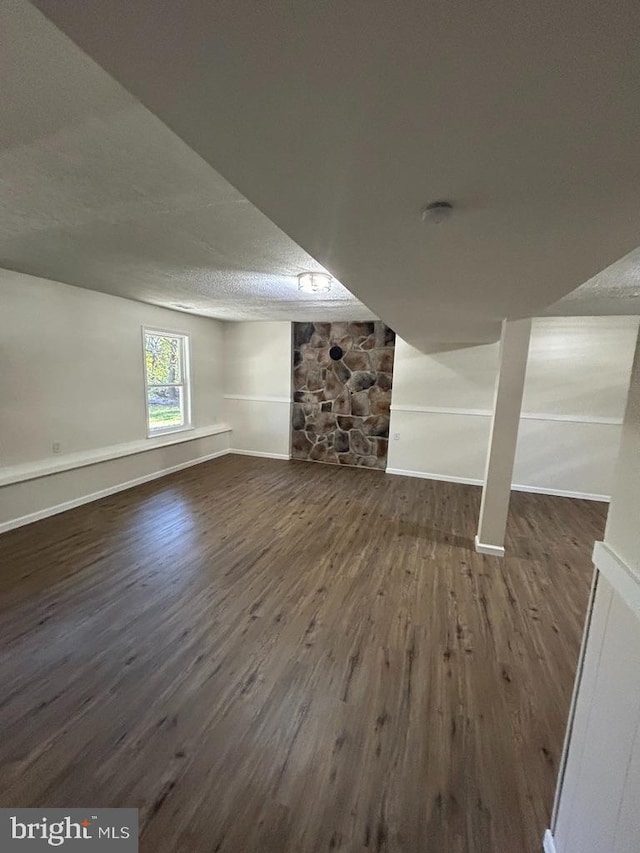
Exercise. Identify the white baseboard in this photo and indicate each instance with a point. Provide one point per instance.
(103, 493)
(516, 487)
(561, 493)
(490, 550)
(548, 844)
(261, 453)
(423, 475)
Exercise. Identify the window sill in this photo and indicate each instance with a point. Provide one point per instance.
(45, 467)
(158, 433)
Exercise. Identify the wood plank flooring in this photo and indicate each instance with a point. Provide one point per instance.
(291, 657)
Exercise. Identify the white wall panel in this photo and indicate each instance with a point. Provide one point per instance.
(574, 397)
(257, 370)
(72, 372)
(598, 802)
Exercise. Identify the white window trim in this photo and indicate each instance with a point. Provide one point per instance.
(185, 384)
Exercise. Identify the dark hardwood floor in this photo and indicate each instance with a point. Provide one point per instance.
(292, 657)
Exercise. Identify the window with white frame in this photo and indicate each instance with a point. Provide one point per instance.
(167, 389)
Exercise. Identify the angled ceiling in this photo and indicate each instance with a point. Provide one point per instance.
(97, 192)
(614, 291)
(341, 120)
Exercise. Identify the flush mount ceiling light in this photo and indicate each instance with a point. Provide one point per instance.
(437, 212)
(314, 282)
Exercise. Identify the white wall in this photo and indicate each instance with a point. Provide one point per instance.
(574, 397)
(72, 372)
(258, 386)
(599, 795)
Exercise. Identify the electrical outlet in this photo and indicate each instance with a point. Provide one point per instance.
(56, 447)
(396, 436)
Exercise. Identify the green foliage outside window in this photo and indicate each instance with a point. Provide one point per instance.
(165, 381)
(162, 355)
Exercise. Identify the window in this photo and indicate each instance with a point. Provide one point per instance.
(166, 370)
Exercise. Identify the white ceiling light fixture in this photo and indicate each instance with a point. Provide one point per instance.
(437, 212)
(314, 282)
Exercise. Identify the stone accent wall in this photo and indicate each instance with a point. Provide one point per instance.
(342, 374)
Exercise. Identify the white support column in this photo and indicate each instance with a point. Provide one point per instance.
(507, 404)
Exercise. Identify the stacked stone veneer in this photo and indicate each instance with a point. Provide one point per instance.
(342, 399)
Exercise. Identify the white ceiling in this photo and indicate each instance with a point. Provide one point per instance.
(615, 290)
(341, 120)
(97, 192)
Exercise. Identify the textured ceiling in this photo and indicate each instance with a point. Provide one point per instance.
(614, 291)
(97, 192)
(341, 120)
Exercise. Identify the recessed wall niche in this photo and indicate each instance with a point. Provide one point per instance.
(342, 376)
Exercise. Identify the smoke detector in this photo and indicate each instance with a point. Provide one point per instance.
(437, 212)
